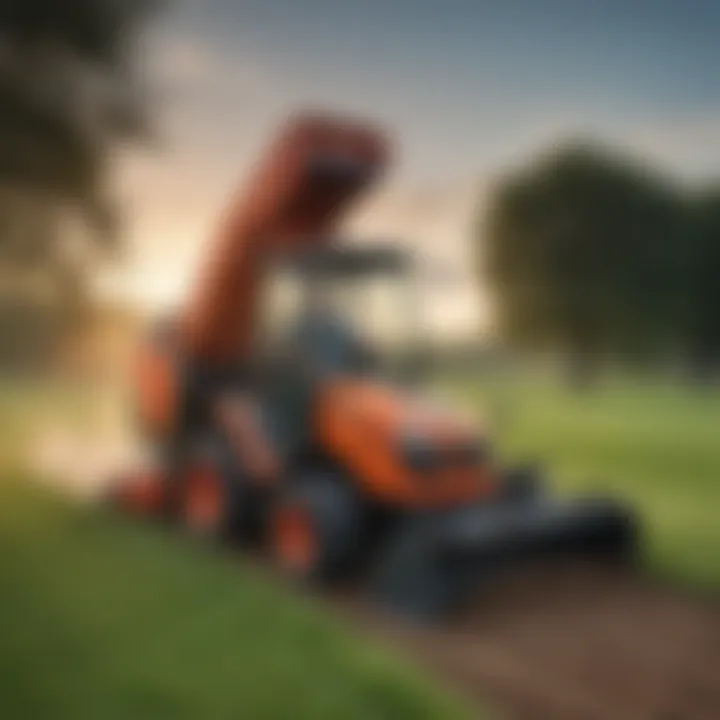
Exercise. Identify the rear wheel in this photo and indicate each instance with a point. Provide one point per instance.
(315, 530)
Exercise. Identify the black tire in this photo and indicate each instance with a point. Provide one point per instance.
(334, 513)
(239, 517)
(411, 578)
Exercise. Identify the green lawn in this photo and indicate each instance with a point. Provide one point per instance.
(104, 618)
(655, 444)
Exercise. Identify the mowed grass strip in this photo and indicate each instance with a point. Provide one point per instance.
(655, 444)
(101, 618)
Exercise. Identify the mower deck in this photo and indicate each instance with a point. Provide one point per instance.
(437, 560)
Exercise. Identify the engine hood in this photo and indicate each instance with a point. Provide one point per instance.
(401, 413)
(401, 448)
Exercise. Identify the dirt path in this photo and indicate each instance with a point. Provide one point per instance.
(575, 644)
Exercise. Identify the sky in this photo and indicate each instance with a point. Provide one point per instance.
(465, 87)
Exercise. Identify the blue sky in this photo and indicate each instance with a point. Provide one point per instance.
(456, 77)
(466, 87)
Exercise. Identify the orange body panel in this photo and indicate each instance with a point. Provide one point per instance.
(361, 425)
(287, 204)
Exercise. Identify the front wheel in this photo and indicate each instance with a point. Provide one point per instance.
(203, 500)
(315, 529)
(214, 500)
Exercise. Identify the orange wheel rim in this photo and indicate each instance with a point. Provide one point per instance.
(295, 539)
(203, 499)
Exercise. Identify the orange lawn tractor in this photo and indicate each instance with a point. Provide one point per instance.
(277, 409)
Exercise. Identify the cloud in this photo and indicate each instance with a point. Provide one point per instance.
(689, 144)
(183, 61)
(183, 57)
(685, 143)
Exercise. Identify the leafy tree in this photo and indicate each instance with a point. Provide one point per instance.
(578, 251)
(702, 282)
(68, 96)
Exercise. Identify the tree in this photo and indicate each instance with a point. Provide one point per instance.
(68, 96)
(702, 283)
(578, 252)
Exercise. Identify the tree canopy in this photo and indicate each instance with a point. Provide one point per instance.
(584, 252)
(702, 281)
(69, 93)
